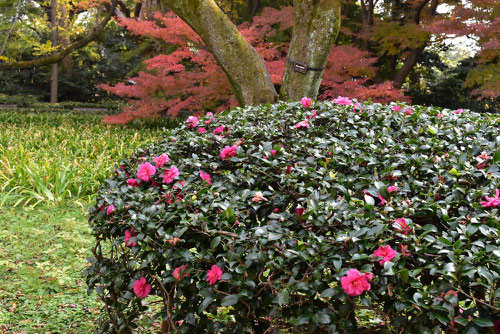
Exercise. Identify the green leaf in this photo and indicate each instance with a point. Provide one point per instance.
(215, 242)
(496, 157)
(303, 319)
(283, 297)
(327, 293)
(483, 271)
(483, 322)
(204, 304)
(230, 300)
(454, 171)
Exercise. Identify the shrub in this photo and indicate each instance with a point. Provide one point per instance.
(267, 224)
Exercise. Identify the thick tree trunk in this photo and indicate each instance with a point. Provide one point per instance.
(317, 23)
(54, 79)
(243, 66)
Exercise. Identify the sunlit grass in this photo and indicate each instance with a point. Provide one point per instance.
(50, 157)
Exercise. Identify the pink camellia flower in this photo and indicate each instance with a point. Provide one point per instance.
(400, 226)
(214, 275)
(343, 101)
(170, 174)
(357, 106)
(396, 108)
(218, 130)
(458, 111)
(382, 200)
(133, 183)
(128, 235)
(276, 210)
(440, 116)
(192, 122)
(141, 288)
(228, 152)
(355, 283)
(314, 114)
(110, 209)
(257, 197)
(202, 130)
(408, 111)
(273, 152)
(390, 189)
(386, 252)
(306, 102)
(492, 201)
(206, 177)
(484, 156)
(209, 114)
(303, 124)
(161, 160)
(146, 170)
(180, 272)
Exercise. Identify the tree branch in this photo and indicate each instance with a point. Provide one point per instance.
(93, 34)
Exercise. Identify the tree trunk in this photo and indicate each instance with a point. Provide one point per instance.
(317, 23)
(245, 69)
(410, 62)
(53, 38)
(64, 40)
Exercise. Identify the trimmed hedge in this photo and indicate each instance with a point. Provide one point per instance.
(279, 204)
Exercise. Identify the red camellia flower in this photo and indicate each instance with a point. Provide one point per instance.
(214, 275)
(386, 253)
(146, 170)
(133, 183)
(299, 211)
(180, 272)
(228, 152)
(355, 283)
(128, 235)
(141, 288)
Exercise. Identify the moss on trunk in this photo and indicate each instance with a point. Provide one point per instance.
(243, 66)
(317, 23)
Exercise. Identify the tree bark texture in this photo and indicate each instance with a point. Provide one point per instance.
(317, 23)
(244, 67)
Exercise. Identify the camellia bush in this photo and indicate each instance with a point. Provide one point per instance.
(332, 217)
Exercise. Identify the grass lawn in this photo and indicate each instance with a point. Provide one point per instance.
(51, 164)
(42, 253)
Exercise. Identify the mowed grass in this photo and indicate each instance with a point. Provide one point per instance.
(50, 166)
(42, 254)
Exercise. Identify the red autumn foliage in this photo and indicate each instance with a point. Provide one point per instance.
(190, 79)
